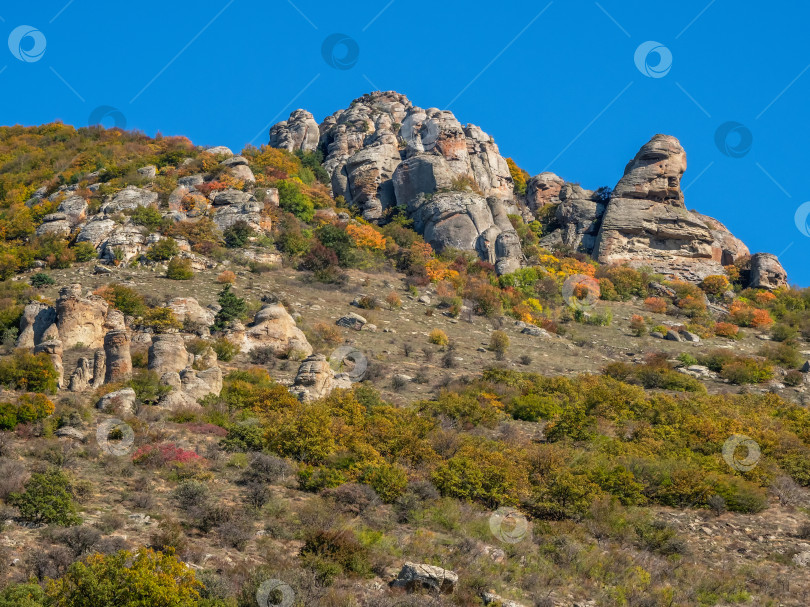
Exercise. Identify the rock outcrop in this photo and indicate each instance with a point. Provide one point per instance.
(543, 189)
(299, 132)
(168, 354)
(316, 379)
(118, 360)
(415, 577)
(120, 402)
(579, 214)
(80, 319)
(274, 328)
(37, 318)
(647, 223)
(766, 272)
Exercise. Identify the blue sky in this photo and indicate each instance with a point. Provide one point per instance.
(556, 84)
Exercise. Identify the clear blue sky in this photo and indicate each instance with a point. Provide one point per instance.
(559, 91)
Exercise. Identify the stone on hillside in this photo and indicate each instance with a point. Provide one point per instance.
(36, 319)
(168, 353)
(129, 199)
(299, 132)
(71, 433)
(117, 356)
(55, 224)
(274, 328)
(199, 384)
(99, 368)
(806, 367)
(689, 336)
(579, 215)
(366, 178)
(82, 375)
(420, 577)
(351, 321)
(220, 150)
(766, 272)
(74, 209)
(149, 171)
(191, 181)
(96, 230)
(671, 335)
(248, 210)
(80, 319)
(490, 598)
(316, 379)
(188, 309)
(120, 402)
(124, 243)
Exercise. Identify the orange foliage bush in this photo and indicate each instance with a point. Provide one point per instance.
(726, 329)
(366, 237)
(656, 305)
(227, 277)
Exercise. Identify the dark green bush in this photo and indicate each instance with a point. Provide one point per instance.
(46, 499)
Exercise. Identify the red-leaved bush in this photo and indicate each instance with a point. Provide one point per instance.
(155, 456)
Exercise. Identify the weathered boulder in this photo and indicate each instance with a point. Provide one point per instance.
(766, 272)
(71, 433)
(80, 319)
(647, 223)
(149, 171)
(55, 224)
(168, 354)
(117, 356)
(490, 598)
(543, 189)
(351, 321)
(82, 375)
(220, 150)
(579, 215)
(124, 243)
(129, 199)
(36, 319)
(299, 132)
(74, 208)
(99, 368)
(96, 230)
(188, 309)
(316, 379)
(120, 402)
(198, 384)
(53, 349)
(248, 210)
(416, 577)
(365, 178)
(274, 328)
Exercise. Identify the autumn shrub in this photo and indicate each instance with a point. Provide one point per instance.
(782, 354)
(744, 370)
(226, 349)
(726, 329)
(163, 454)
(498, 343)
(179, 268)
(744, 315)
(28, 408)
(293, 200)
(26, 371)
(638, 325)
(656, 305)
(226, 277)
(333, 553)
(388, 481)
(626, 281)
(716, 284)
(393, 300)
(438, 337)
(123, 298)
(794, 378)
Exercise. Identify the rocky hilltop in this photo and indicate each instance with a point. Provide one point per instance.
(383, 153)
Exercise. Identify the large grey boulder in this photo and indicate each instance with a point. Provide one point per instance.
(766, 272)
(274, 328)
(168, 354)
(299, 132)
(124, 243)
(416, 577)
(36, 319)
(543, 189)
(120, 402)
(129, 199)
(316, 379)
(579, 214)
(96, 230)
(80, 318)
(74, 209)
(56, 224)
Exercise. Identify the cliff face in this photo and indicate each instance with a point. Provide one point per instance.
(383, 152)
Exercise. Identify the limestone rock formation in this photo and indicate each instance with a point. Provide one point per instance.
(579, 215)
(80, 319)
(36, 319)
(415, 577)
(647, 223)
(74, 209)
(188, 309)
(129, 199)
(316, 379)
(766, 272)
(118, 360)
(55, 224)
(168, 354)
(274, 328)
(120, 402)
(298, 132)
(82, 377)
(543, 189)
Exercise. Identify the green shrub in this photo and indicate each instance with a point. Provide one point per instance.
(163, 250)
(232, 307)
(27, 371)
(331, 553)
(782, 354)
(498, 343)
(747, 371)
(225, 349)
(237, 235)
(533, 407)
(148, 217)
(41, 279)
(84, 251)
(293, 200)
(179, 268)
(46, 499)
(389, 481)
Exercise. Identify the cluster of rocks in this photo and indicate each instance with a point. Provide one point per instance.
(384, 152)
